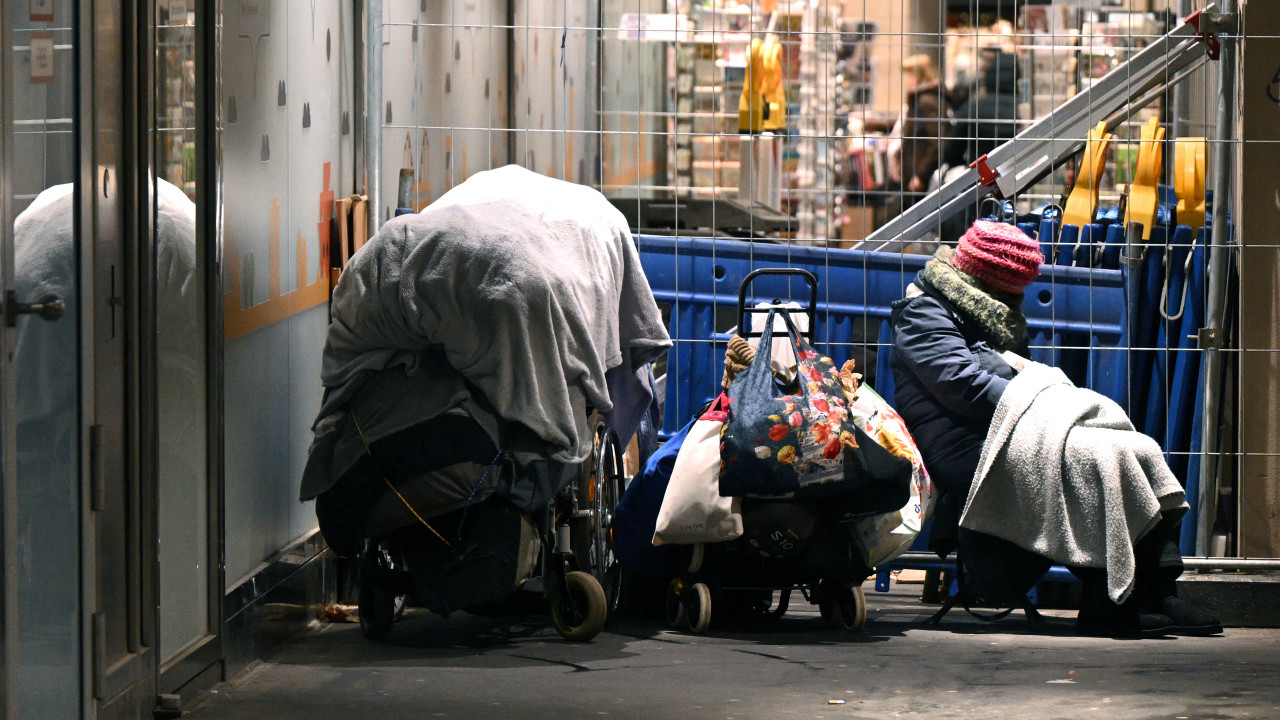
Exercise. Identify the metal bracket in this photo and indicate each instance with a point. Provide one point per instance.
(986, 174)
(1208, 25)
(1133, 239)
(1219, 23)
(1210, 339)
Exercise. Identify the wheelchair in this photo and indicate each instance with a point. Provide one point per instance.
(478, 556)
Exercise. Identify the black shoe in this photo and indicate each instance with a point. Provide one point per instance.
(1188, 619)
(1123, 625)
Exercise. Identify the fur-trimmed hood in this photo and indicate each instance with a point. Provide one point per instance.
(998, 314)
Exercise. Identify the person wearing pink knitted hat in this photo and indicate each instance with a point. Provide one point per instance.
(963, 310)
(1000, 255)
(960, 338)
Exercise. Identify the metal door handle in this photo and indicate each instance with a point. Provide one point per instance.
(50, 307)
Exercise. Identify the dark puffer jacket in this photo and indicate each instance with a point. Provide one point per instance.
(923, 128)
(948, 378)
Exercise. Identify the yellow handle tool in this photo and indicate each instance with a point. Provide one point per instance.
(775, 94)
(1144, 193)
(1082, 204)
(1189, 156)
(751, 104)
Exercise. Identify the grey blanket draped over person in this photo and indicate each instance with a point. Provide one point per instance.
(1035, 464)
(1064, 474)
(516, 298)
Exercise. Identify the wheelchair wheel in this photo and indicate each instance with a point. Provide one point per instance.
(843, 606)
(580, 613)
(599, 489)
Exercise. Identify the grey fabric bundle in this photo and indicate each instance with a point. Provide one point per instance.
(1065, 475)
(526, 288)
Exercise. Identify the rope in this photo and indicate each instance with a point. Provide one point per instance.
(427, 525)
(485, 476)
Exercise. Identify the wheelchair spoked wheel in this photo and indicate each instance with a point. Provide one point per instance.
(378, 606)
(578, 609)
(598, 492)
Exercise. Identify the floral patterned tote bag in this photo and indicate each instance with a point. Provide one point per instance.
(801, 442)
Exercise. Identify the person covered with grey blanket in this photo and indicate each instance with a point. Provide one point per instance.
(1028, 465)
(496, 318)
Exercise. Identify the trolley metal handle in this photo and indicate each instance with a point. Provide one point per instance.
(743, 310)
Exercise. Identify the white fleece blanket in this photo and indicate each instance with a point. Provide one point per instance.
(531, 287)
(1065, 475)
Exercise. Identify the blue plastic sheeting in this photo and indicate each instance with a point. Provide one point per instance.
(697, 279)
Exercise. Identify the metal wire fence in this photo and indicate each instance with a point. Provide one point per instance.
(735, 135)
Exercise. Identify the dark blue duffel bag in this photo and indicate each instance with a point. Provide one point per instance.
(637, 514)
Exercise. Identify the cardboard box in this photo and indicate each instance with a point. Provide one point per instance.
(857, 223)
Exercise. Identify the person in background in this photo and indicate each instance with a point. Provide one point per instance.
(915, 151)
(986, 119)
(952, 332)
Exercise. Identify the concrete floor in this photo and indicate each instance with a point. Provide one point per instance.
(478, 668)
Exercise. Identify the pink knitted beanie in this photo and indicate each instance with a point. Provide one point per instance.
(1000, 255)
